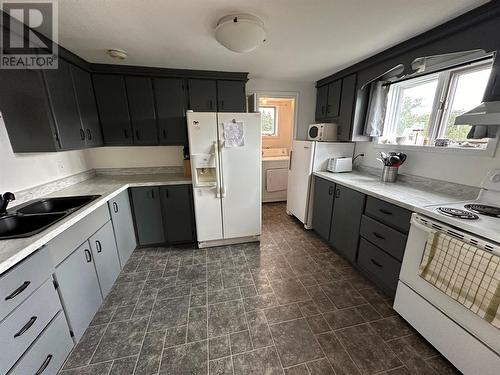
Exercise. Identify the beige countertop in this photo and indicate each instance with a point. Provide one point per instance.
(107, 186)
(408, 193)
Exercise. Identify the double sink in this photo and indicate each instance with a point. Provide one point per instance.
(36, 216)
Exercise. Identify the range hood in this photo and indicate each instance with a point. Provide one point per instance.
(487, 113)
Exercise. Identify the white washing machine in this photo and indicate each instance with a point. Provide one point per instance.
(274, 174)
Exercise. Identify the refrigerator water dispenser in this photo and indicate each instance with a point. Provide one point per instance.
(204, 170)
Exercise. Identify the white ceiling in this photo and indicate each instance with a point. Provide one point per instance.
(307, 39)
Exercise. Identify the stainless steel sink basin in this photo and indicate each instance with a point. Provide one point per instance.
(61, 204)
(17, 226)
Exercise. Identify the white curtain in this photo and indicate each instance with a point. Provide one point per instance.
(377, 106)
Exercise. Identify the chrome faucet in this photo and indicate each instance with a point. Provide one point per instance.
(5, 199)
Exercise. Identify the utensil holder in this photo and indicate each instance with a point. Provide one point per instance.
(389, 174)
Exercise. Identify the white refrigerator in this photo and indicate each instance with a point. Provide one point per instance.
(307, 157)
(225, 151)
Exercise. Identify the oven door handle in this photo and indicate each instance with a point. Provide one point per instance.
(423, 227)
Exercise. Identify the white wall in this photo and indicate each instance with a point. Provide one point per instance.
(306, 102)
(132, 157)
(454, 167)
(22, 171)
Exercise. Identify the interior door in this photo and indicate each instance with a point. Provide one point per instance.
(241, 177)
(299, 178)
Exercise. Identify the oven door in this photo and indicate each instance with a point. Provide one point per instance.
(420, 229)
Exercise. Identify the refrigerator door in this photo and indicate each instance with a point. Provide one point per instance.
(202, 132)
(299, 178)
(241, 177)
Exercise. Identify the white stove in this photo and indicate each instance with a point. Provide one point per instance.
(480, 217)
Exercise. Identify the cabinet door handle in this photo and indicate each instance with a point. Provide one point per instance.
(115, 207)
(222, 104)
(153, 193)
(385, 212)
(125, 133)
(337, 193)
(26, 326)
(211, 104)
(328, 108)
(137, 135)
(164, 133)
(98, 246)
(82, 135)
(18, 291)
(330, 190)
(88, 255)
(44, 365)
(376, 263)
(89, 134)
(378, 236)
(166, 193)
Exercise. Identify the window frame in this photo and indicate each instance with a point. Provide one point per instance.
(441, 106)
(275, 121)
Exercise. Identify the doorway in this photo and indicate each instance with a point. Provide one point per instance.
(277, 121)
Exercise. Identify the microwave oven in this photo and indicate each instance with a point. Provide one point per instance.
(322, 132)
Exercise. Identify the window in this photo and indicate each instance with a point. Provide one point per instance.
(268, 120)
(423, 109)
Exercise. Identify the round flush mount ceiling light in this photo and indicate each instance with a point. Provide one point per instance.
(117, 53)
(240, 32)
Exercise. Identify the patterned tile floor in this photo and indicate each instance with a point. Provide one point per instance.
(287, 306)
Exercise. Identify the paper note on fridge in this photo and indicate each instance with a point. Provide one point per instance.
(233, 134)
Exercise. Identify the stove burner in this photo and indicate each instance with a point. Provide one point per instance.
(484, 209)
(460, 214)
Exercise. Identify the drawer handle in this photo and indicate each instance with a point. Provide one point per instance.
(18, 291)
(376, 263)
(98, 245)
(378, 236)
(26, 326)
(385, 212)
(44, 364)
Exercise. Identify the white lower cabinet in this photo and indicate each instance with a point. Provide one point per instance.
(105, 257)
(48, 352)
(78, 288)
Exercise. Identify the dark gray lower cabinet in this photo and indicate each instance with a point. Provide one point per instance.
(105, 256)
(347, 211)
(148, 215)
(178, 217)
(79, 289)
(123, 224)
(322, 206)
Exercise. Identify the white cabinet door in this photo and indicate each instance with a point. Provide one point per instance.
(79, 289)
(123, 225)
(105, 257)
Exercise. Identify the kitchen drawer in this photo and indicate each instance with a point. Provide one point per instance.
(48, 352)
(20, 281)
(21, 328)
(387, 213)
(388, 239)
(64, 244)
(381, 267)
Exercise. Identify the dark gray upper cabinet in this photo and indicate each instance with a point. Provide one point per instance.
(87, 106)
(26, 111)
(202, 95)
(347, 211)
(112, 104)
(64, 106)
(178, 213)
(142, 110)
(322, 206)
(171, 106)
(231, 96)
(346, 110)
(321, 102)
(333, 100)
(146, 204)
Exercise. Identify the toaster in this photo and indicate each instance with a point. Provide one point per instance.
(339, 164)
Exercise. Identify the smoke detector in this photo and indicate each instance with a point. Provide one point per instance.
(117, 53)
(240, 32)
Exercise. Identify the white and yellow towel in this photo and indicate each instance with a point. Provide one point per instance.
(466, 273)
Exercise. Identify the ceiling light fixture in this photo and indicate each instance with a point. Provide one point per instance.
(117, 53)
(240, 32)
